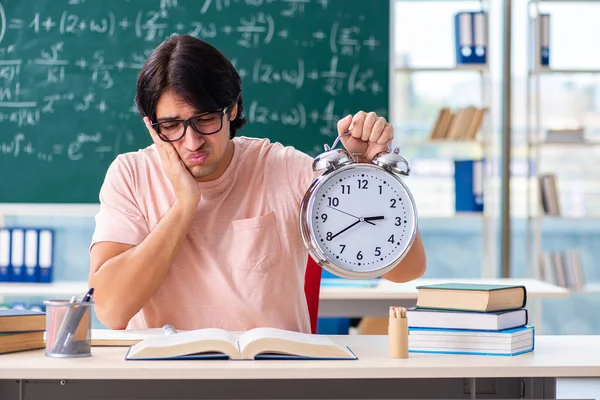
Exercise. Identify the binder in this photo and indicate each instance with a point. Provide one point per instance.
(5, 269)
(31, 256)
(17, 254)
(46, 256)
(544, 41)
(468, 185)
(471, 37)
(480, 37)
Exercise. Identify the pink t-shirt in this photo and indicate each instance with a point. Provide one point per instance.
(243, 261)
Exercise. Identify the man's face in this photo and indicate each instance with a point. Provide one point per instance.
(201, 154)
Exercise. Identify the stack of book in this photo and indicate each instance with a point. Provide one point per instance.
(21, 330)
(464, 318)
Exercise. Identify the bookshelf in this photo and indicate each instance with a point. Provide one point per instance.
(459, 148)
(545, 207)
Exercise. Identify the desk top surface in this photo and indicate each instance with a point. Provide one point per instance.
(408, 291)
(554, 356)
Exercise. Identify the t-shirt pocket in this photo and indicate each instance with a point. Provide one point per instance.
(255, 244)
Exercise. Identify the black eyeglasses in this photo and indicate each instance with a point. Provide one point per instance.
(207, 123)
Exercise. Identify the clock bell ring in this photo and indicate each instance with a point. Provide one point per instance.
(358, 219)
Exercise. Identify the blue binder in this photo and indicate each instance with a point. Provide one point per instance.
(45, 265)
(5, 268)
(17, 255)
(468, 185)
(544, 39)
(471, 37)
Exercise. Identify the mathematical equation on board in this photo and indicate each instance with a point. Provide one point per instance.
(341, 67)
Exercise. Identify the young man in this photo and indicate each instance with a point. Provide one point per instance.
(201, 229)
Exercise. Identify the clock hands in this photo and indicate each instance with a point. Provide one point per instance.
(354, 216)
(345, 229)
(365, 219)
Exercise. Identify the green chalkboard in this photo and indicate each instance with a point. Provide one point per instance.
(68, 70)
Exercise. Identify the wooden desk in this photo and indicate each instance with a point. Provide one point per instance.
(107, 375)
(375, 301)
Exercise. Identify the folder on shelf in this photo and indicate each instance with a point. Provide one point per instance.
(5, 269)
(17, 254)
(31, 256)
(468, 185)
(480, 37)
(471, 37)
(46, 256)
(544, 35)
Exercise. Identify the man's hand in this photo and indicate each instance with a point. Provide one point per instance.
(370, 133)
(186, 188)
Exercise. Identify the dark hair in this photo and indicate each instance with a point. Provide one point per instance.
(194, 70)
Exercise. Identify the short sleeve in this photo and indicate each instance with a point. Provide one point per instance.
(299, 171)
(119, 219)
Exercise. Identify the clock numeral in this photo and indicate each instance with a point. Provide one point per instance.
(377, 251)
(324, 217)
(393, 201)
(380, 189)
(343, 246)
(345, 189)
(333, 201)
(391, 239)
(329, 235)
(362, 184)
(359, 256)
(398, 221)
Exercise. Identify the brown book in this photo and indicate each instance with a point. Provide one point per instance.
(21, 341)
(14, 320)
(475, 123)
(471, 297)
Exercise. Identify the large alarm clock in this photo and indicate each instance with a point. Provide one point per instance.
(358, 220)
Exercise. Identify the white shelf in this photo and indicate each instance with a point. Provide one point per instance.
(583, 143)
(564, 71)
(588, 288)
(466, 68)
(61, 289)
(439, 142)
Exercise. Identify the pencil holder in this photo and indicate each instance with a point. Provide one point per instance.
(398, 337)
(68, 328)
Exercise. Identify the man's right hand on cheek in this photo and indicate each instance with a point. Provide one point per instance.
(186, 188)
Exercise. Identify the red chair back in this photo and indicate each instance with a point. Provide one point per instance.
(312, 289)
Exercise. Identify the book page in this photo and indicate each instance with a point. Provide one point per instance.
(279, 341)
(185, 343)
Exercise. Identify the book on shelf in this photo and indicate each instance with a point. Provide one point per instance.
(452, 319)
(257, 343)
(506, 342)
(566, 135)
(562, 268)
(471, 297)
(463, 124)
(548, 193)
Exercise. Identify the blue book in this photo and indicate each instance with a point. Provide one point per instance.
(468, 185)
(507, 342)
(254, 344)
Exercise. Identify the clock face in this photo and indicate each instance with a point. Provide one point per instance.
(362, 218)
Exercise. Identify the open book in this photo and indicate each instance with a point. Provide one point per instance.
(258, 343)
